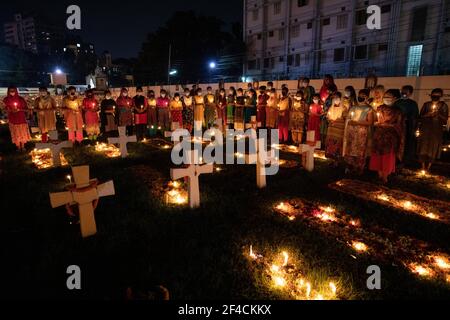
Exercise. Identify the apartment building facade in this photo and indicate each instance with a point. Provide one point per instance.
(287, 39)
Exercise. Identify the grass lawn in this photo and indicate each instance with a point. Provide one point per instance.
(195, 254)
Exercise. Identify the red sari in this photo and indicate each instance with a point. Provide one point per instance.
(315, 111)
(16, 108)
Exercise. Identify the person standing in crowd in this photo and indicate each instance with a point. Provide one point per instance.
(308, 91)
(199, 110)
(239, 110)
(45, 107)
(91, 119)
(125, 106)
(231, 104)
(410, 111)
(388, 137)
(108, 116)
(152, 112)
(210, 108)
(315, 112)
(349, 100)
(272, 110)
(358, 132)
(284, 105)
(73, 115)
(270, 86)
(336, 127)
(188, 111)
(297, 117)
(250, 107)
(433, 118)
(140, 106)
(193, 91)
(326, 92)
(176, 112)
(222, 107)
(16, 108)
(261, 107)
(377, 98)
(162, 105)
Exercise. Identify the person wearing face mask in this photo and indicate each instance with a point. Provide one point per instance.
(210, 108)
(221, 107)
(176, 112)
(125, 106)
(315, 112)
(284, 105)
(199, 110)
(387, 142)
(188, 111)
(335, 136)
(250, 109)
(308, 91)
(91, 118)
(45, 106)
(108, 116)
(231, 104)
(16, 108)
(162, 104)
(73, 115)
(152, 114)
(140, 108)
(241, 101)
(433, 117)
(349, 99)
(261, 107)
(297, 117)
(378, 94)
(410, 111)
(358, 130)
(272, 110)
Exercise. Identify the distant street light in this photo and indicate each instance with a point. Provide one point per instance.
(173, 72)
(212, 65)
(58, 71)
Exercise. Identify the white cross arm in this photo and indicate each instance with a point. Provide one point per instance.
(59, 199)
(106, 189)
(207, 168)
(176, 174)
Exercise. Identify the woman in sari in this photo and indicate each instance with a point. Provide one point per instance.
(358, 131)
(336, 126)
(297, 117)
(326, 92)
(433, 118)
(315, 112)
(188, 110)
(388, 136)
(17, 109)
(272, 110)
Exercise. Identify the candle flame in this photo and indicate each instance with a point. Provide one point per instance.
(333, 288)
(359, 246)
(441, 262)
(279, 281)
(286, 258)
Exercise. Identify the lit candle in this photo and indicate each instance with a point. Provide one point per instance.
(69, 177)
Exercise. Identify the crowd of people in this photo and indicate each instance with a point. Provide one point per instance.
(374, 128)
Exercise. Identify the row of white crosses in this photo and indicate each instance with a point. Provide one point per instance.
(84, 193)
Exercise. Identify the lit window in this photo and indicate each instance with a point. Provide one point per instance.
(414, 60)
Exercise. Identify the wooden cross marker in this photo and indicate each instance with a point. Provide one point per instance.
(85, 193)
(55, 149)
(122, 141)
(307, 151)
(261, 158)
(192, 172)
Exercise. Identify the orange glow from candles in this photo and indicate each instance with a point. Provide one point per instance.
(359, 246)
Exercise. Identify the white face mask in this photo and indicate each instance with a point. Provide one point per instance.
(177, 99)
(163, 95)
(336, 102)
(125, 94)
(108, 97)
(347, 94)
(316, 101)
(187, 94)
(388, 102)
(199, 94)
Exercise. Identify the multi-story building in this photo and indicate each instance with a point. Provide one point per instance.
(292, 38)
(32, 33)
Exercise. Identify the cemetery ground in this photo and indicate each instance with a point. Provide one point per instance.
(196, 254)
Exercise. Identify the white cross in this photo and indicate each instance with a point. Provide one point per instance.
(192, 173)
(83, 193)
(122, 141)
(307, 151)
(261, 158)
(53, 135)
(55, 150)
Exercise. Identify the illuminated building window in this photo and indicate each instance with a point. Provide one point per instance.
(414, 60)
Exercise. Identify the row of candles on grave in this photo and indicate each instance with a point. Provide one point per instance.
(326, 215)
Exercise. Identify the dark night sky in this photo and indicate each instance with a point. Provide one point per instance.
(122, 26)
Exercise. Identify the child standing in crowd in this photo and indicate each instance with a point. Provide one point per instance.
(188, 110)
(222, 107)
(151, 109)
(140, 106)
(108, 115)
(336, 126)
(250, 107)
(239, 110)
(73, 115)
(308, 91)
(297, 118)
(261, 107)
(176, 112)
(199, 110)
(125, 105)
(162, 105)
(91, 119)
(45, 107)
(284, 105)
(272, 110)
(315, 112)
(210, 108)
(16, 108)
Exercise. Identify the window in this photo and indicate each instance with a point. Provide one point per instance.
(383, 47)
(302, 3)
(323, 56)
(251, 64)
(361, 52)
(290, 60)
(414, 60)
(272, 62)
(281, 35)
(259, 36)
(295, 31)
(342, 21)
(419, 23)
(386, 8)
(309, 25)
(361, 17)
(281, 59)
(266, 63)
(326, 22)
(297, 59)
(271, 34)
(277, 7)
(339, 54)
(255, 14)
